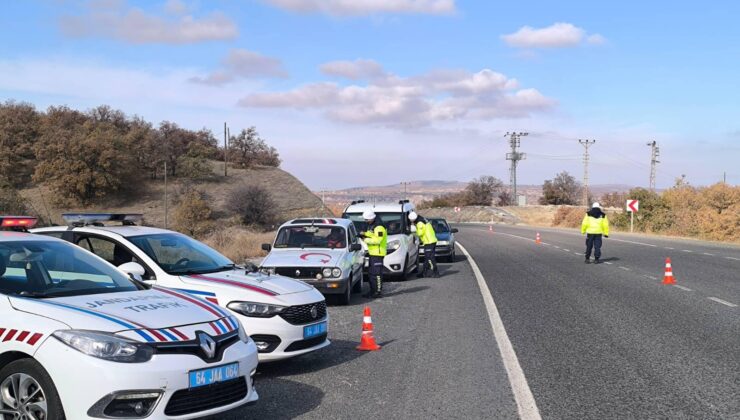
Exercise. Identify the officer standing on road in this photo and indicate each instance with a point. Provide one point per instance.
(428, 238)
(595, 224)
(376, 239)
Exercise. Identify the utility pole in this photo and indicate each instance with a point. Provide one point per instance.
(655, 152)
(514, 157)
(405, 184)
(226, 152)
(585, 143)
(166, 157)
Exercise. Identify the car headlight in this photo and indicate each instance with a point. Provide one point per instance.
(270, 271)
(443, 242)
(394, 244)
(326, 272)
(337, 272)
(255, 310)
(105, 346)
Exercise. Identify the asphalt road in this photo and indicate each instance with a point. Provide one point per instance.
(609, 340)
(439, 360)
(593, 341)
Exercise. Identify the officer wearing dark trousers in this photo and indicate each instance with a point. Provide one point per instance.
(595, 225)
(376, 239)
(428, 239)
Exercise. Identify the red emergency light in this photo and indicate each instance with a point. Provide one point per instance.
(24, 222)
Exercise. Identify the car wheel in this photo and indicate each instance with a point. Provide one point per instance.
(405, 273)
(346, 297)
(357, 287)
(27, 392)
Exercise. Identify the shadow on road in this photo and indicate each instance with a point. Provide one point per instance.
(609, 259)
(404, 291)
(279, 399)
(339, 352)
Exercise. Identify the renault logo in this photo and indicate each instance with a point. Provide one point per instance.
(298, 273)
(314, 312)
(207, 344)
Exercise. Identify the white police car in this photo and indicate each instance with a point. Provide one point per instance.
(325, 253)
(79, 339)
(284, 317)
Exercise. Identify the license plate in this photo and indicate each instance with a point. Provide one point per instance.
(314, 330)
(213, 375)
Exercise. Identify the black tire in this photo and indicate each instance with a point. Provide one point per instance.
(405, 274)
(33, 369)
(346, 297)
(357, 287)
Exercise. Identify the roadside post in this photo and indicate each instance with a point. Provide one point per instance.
(632, 207)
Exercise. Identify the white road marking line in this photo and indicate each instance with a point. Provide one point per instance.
(545, 243)
(577, 253)
(632, 242)
(686, 250)
(624, 268)
(733, 258)
(706, 253)
(683, 287)
(526, 405)
(651, 277)
(607, 262)
(556, 246)
(724, 302)
(566, 250)
(669, 247)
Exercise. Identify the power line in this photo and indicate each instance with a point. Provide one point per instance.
(514, 157)
(585, 143)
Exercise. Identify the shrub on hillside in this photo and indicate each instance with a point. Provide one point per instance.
(194, 164)
(253, 205)
(19, 130)
(192, 216)
(563, 189)
(239, 244)
(11, 202)
(569, 216)
(248, 149)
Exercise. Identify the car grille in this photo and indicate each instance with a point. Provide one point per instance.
(188, 401)
(306, 344)
(301, 314)
(192, 347)
(298, 272)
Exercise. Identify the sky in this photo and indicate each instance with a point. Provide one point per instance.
(376, 92)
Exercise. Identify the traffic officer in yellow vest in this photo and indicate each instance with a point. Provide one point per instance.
(594, 225)
(376, 239)
(428, 238)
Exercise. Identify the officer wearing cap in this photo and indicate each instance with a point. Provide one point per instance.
(595, 225)
(376, 239)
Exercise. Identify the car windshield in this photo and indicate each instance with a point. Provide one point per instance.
(440, 225)
(393, 222)
(41, 269)
(311, 237)
(178, 254)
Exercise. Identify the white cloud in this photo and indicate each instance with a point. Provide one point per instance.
(393, 101)
(111, 19)
(366, 7)
(176, 7)
(243, 64)
(359, 69)
(558, 35)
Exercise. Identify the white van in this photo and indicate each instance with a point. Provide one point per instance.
(403, 245)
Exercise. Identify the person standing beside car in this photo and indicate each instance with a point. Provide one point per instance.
(376, 239)
(595, 225)
(428, 238)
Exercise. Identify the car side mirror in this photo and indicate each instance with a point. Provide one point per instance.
(266, 247)
(133, 269)
(355, 247)
(454, 230)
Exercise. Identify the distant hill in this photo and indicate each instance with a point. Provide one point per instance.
(292, 197)
(421, 190)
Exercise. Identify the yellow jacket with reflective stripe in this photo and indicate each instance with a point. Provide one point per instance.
(420, 229)
(376, 241)
(595, 225)
(430, 237)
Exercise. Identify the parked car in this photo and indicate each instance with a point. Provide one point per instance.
(445, 239)
(325, 253)
(79, 338)
(403, 245)
(284, 317)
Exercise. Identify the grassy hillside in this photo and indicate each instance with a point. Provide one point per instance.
(292, 198)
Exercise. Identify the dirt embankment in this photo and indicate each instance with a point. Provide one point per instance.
(472, 214)
(292, 198)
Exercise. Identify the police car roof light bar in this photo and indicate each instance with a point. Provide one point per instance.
(18, 222)
(83, 219)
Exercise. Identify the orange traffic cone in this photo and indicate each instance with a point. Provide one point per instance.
(668, 278)
(538, 241)
(367, 342)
